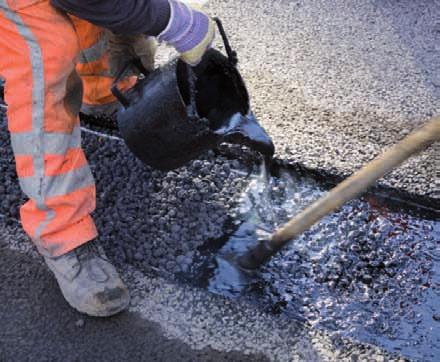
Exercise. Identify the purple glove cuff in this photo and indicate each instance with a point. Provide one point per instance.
(186, 29)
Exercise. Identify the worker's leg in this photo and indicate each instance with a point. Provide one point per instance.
(93, 68)
(38, 48)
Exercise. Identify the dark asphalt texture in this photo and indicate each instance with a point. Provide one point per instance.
(38, 325)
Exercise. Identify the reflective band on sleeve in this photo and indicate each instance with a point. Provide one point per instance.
(95, 52)
(57, 185)
(54, 143)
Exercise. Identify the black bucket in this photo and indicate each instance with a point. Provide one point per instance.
(175, 113)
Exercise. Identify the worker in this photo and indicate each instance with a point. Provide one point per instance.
(56, 57)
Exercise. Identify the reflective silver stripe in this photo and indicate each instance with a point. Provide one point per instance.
(59, 185)
(50, 215)
(38, 101)
(95, 52)
(54, 143)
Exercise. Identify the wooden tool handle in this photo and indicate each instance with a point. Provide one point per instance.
(350, 188)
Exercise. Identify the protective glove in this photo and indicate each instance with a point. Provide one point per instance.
(123, 48)
(189, 30)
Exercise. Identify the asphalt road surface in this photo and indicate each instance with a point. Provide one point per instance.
(333, 84)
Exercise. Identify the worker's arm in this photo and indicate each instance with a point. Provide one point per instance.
(188, 30)
(126, 17)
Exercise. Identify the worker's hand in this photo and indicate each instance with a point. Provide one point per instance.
(123, 48)
(190, 31)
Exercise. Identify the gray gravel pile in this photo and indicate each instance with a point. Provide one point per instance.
(365, 272)
(154, 220)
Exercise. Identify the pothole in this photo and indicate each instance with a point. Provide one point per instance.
(370, 271)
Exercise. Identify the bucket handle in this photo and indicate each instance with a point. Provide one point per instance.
(232, 54)
(115, 90)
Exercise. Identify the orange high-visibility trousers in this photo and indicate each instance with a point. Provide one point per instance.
(40, 49)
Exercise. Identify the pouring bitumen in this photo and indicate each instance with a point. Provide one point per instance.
(351, 188)
(245, 130)
(175, 113)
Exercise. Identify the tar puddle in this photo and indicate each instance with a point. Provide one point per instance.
(370, 271)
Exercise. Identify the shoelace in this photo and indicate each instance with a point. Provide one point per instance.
(86, 253)
(90, 250)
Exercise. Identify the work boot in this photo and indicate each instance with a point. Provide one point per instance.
(89, 282)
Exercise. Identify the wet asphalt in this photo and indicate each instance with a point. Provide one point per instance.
(327, 94)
